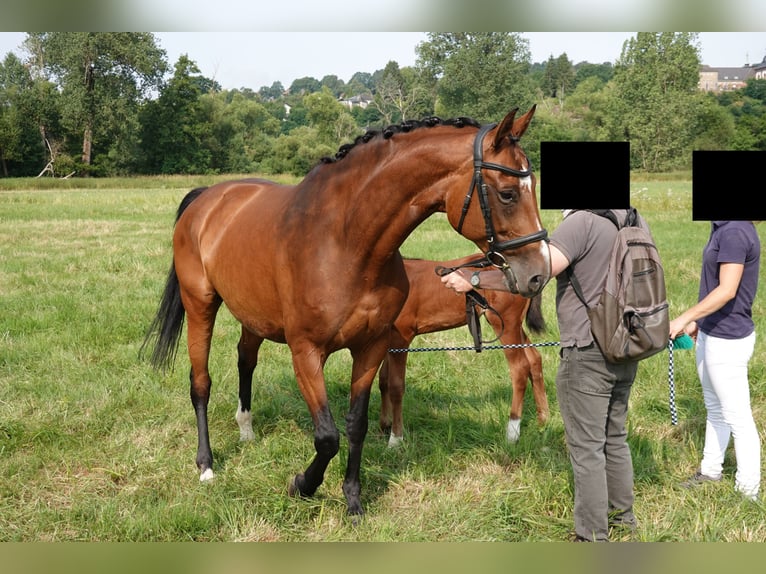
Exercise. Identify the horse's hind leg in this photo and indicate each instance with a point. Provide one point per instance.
(201, 313)
(247, 351)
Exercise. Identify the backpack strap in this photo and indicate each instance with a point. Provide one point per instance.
(631, 220)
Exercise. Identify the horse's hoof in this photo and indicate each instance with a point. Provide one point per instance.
(246, 435)
(292, 487)
(355, 512)
(513, 430)
(206, 475)
(395, 441)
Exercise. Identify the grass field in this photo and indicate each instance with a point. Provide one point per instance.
(97, 446)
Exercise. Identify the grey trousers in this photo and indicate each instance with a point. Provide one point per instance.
(593, 401)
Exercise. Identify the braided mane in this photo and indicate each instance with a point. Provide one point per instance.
(403, 127)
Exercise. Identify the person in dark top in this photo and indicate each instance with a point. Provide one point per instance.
(722, 325)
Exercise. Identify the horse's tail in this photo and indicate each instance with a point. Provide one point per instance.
(534, 319)
(165, 330)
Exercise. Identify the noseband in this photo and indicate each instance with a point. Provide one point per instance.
(493, 255)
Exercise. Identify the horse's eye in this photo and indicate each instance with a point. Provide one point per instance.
(508, 195)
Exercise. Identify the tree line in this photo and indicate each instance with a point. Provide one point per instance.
(109, 104)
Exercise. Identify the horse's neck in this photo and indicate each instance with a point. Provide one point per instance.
(385, 201)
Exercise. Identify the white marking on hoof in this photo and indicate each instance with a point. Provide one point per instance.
(245, 422)
(207, 475)
(395, 441)
(513, 430)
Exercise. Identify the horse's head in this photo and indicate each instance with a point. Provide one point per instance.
(499, 213)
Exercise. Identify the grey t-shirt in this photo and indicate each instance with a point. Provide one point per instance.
(586, 239)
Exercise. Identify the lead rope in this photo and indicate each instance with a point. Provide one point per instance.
(671, 376)
(671, 385)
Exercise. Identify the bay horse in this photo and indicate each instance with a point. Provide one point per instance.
(429, 308)
(317, 265)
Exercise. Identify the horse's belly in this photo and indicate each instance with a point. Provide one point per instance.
(255, 308)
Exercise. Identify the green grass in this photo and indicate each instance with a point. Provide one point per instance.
(96, 446)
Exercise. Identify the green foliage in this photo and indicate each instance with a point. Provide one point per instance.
(297, 152)
(655, 89)
(103, 77)
(478, 72)
(174, 126)
(558, 77)
(120, 114)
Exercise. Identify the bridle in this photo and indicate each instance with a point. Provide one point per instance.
(494, 254)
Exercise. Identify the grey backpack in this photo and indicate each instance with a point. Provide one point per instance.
(631, 319)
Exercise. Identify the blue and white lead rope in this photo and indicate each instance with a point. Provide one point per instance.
(671, 383)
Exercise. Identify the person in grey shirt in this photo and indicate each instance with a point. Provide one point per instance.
(592, 392)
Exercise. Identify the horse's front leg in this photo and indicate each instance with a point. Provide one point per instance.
(538, 383)
(391, 382)
(397, 368)
(308, 362)
(519, 371)
(365, 364)
(247, 352)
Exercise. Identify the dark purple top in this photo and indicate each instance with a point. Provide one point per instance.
(731, 242)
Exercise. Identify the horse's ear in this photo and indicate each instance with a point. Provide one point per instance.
(513, 127)
(505, 128)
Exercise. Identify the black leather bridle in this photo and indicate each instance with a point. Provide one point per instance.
(494, 254)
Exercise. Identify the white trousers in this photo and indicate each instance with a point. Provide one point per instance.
(722, 369)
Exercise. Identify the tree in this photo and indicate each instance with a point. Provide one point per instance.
(655, 83)
(585, 70)
(397, 94)
(332, 122)
(305, 85)
(359, 83)
(30, 134)
(756, 89)
(482, 74)
(242, 132)
(273, 93)
(558, 77)
(103, 77)
(174, 128)
(714, 128)
(336, 86)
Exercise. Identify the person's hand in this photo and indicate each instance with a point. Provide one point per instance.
(679, 326)
(457, 282)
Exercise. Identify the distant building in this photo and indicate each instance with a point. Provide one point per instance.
(760, 70)
(361, 101)
(728, 79)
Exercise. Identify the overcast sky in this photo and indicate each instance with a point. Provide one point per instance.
(256, 59)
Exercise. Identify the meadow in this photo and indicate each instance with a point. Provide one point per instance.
(95, 445)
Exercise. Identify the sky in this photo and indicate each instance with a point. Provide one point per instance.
(257, 59)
